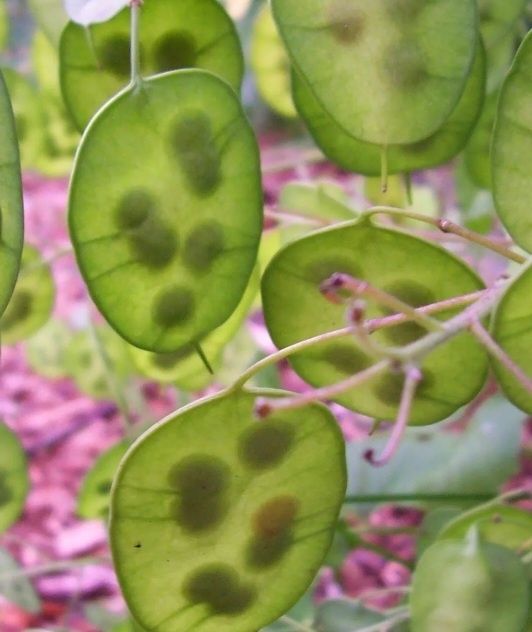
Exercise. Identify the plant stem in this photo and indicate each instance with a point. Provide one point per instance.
(273, 358)
(358, 287)
(388, 321)
(266, 406)
(499, 354)
(433, 308)
(417, 498)
(296, 625)
(417, 350)
(446, 226)
(413, 377)
(111, 379)
(135, 44)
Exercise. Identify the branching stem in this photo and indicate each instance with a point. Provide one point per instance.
(446, 226)
(499, 354)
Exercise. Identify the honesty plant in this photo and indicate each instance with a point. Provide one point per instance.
(221, 514)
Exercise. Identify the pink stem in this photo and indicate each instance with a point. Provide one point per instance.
(499, 354)
(412, 378)
(267, 406)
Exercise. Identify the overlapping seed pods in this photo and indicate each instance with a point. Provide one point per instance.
(465, 585)
(362, 157)
(219, 522)
(512, 330)
(185, 367)
(11, 210)
(166, 209)
(415, 271)
(400, 66)
(512, 136)
(14, 482)
(32, 301)
(271, 64)
(95, 62)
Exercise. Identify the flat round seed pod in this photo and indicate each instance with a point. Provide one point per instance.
(11, 208)
(14, 482)
(271, 64)
(184, 367)
(220, 522)
(512, 136)
(399, 68)
(167, 245)
(464, 586)
(356, 155)
(512, 330)
(95, 62)
(501, 524)
(413, 270)
(32, 301)
(95, 493)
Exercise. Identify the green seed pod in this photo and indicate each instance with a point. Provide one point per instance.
(467, 585)
(220, 522)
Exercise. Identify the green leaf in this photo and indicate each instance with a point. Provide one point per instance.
(95, 492)
(413, 270)
(400, 66)
(271, 65)
(500, 524)
(95, 62)
(32, 301)
(363, 157)
(184, 367)
(222, 521)
(11, 208)
(345, 616)
(469, 585)
(14, 481)
(15, 586)
(512, 137)
(430, 461)
(512, 330)
(168, 244)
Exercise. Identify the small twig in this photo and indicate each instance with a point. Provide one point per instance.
(295, 217)
(413, 377)
(446, 226)
(388, 624)
(499, 354)
(266, 406)
(356, 318)
(296, 625)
